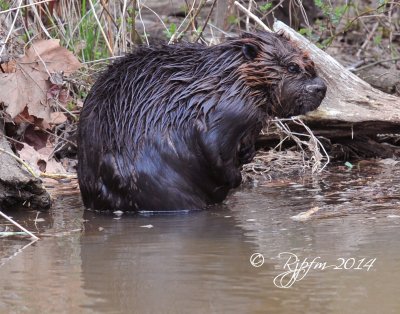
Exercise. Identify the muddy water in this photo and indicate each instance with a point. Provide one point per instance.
(200, 262)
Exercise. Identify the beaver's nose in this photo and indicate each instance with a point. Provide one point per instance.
(317, 88)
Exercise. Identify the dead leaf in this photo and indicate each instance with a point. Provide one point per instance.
(28, 86)
(30, 156)
(44, 125)
(40, 162)
(57, 118)
(24, 116)
(35, 137)
(57, 58)
(54, 166)
(45, 151)
(58, 92)
(57, 78)
(8, 67)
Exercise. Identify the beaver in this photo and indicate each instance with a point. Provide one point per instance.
(168, 127)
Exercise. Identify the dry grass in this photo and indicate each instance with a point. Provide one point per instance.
(307, 156)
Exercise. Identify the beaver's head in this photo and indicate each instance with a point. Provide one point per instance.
(281, 72)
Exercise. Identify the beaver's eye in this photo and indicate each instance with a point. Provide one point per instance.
(293, 68)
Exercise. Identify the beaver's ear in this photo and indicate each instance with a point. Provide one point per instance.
(250, 51)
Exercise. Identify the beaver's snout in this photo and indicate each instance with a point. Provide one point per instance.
(317, 88)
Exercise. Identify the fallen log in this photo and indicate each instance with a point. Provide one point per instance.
(354, 115)
(353, 120)
(352, 106)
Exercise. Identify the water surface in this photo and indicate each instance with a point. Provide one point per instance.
(199, 262)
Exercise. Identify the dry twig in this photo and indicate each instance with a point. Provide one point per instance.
(19, 226)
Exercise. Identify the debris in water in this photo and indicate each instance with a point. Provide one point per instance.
(348, 165)
(4, 234)
(303, 216)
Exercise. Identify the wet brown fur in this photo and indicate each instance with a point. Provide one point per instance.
(168, 127)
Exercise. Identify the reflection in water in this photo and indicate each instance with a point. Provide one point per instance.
(199, 262)
(191, 264)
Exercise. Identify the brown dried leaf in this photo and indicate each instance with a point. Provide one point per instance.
(59, 93)
(57, 58)
(57, 118)
(24, 116)
(8, 67)
(30, 156)
(39, 161)
(35, 137)
(28, 86)
(54, 166)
